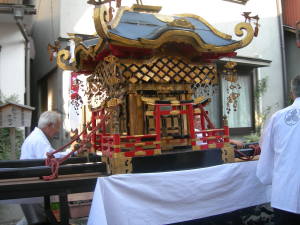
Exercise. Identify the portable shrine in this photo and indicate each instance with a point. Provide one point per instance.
(142, 71)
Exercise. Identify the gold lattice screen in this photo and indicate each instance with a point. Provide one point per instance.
(170, 70)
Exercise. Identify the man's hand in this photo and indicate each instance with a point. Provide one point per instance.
(239, 144)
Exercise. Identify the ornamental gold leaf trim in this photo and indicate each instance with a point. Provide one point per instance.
(240, 30)
(199, 18)
(227, 153)
(182, 22)
(101, 19)
(189, 37)
(62, 60)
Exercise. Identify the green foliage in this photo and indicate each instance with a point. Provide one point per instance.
(261, 88)
(4, 133)
(260, 117)
(251, 138)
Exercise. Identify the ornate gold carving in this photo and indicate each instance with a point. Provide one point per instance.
(149, 101)
(163, 88)
(114, 23)
(239, 31)
(101, 18)
(170, 70)
(227, 153)
(114, 102)
(99, 46)
(229, 72)
(202, 100)
(62, 60)
(106, 82)
(146, 8)
(182, 23)
(118, 163)
(84, 52)
(53, 49)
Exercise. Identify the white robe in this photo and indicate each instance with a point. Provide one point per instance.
(36, 145)
(279, 161)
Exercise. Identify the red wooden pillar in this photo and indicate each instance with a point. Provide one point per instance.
(202, 117)
(102, 117)
(157, 124)
(190, 116)
(93, 138)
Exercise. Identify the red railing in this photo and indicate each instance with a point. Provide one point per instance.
(203, 137)
(130, 145)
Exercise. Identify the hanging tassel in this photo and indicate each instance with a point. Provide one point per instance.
(256, 30)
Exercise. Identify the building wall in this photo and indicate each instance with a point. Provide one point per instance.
(76, 18)
(292, 55)
(55, 18)
(12, 61)
(45, 31)
(291, 12)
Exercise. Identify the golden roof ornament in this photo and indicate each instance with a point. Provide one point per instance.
(249, 19)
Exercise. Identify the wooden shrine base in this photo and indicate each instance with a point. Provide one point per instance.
(180, 159)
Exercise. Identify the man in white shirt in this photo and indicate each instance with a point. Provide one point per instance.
(35, 146)
(279, 162)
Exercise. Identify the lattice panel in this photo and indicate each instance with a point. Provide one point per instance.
(169, 70)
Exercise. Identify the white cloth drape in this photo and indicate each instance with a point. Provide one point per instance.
(170, 197)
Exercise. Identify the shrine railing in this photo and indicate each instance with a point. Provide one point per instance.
(130, 146)
(202, 136)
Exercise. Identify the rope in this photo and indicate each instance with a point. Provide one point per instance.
(54, 163)
(210, 124)
(256, 151)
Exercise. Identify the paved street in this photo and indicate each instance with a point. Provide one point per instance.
(11, 214)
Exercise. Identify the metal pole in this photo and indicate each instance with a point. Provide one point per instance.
(283, 53)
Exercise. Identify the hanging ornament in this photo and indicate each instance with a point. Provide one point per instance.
(205, 89)
(53, 49)
(232, 86)
(249, 19)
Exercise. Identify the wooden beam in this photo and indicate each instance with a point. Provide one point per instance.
(39, 171)
(41, 162)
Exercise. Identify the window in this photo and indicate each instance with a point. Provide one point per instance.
(241, 122)
(238, 1)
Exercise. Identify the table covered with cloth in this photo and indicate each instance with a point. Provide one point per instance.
(171, 197)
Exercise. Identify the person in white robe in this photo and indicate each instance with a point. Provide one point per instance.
(35, 146)
(279, 162)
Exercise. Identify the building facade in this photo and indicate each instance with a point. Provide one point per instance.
(291, 15)
(16, 48)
